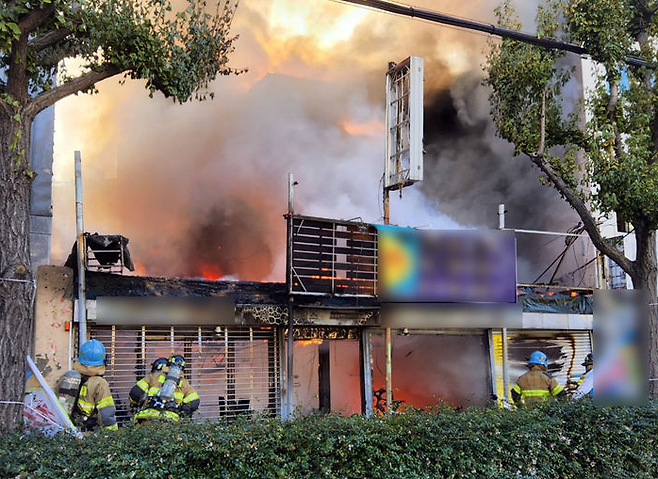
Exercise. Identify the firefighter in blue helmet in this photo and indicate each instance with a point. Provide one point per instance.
(94, 407)
(164, 393)
(536, 385)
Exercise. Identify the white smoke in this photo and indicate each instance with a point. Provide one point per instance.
(206, 182)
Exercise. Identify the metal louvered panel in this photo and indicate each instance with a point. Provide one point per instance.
(332, 257)
(234, 370)
(566, 351)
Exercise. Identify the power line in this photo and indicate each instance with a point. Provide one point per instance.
(435, 17)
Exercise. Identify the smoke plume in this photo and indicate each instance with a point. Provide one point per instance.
(200, 189)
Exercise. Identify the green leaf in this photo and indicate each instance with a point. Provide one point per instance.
(14, 28)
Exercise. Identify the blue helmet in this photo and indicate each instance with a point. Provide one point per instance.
(538, 358)
(92, 353)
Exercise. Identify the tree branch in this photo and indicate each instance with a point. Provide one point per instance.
(17, 71)
(81, 83)
(35, 19)
(654, 137)
(585, 215)
(643, 38)
(5, 106)
(646, 9)
(49, 39)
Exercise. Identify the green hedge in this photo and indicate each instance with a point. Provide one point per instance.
(560, 439)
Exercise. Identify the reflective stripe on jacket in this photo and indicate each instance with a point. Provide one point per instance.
(95, 403)
(535, 386)
(149, 387)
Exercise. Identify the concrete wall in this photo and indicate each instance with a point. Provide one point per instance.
(41, 210)
(54, 308)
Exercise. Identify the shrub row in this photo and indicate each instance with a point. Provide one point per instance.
(559, 439)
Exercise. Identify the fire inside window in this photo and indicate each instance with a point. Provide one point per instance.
(404, 123)
(332, 257)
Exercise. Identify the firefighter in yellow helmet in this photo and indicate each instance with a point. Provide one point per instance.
(164, 393)
(94, 407)
(536, 385)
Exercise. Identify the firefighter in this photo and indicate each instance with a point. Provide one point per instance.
(94, 407)
(165, 394)
(586, 382)
(157, 365)
(572, 385)
(589, 364)
(536, 385)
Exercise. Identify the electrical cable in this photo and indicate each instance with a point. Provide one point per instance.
(558, 258)
(435, 17)
(380, 188)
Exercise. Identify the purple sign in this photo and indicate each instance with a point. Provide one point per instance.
(446, 266)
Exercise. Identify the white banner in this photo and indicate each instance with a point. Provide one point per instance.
(41, 408)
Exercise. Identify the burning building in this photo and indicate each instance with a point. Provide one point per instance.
(196, 187)
(312, 103)
(455, 337)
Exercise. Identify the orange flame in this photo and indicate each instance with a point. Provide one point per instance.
(309, 342)
(367, 128)
(211, 272)
(140, 269)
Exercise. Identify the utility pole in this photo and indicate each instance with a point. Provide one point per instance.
(404, 122)
(82, 252)
(290, 378)
(387, 334)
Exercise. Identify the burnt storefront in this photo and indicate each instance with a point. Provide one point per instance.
(228, 333)
(425, 344)
(374, 323)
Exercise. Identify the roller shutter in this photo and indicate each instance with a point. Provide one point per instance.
(234, 370)
(566, 351)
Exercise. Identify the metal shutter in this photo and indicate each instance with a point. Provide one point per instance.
(566, 351)
(234, 370)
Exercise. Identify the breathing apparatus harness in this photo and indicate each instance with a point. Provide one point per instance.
(86, 423)
(164, 399)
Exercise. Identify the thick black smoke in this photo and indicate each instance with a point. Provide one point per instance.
(228, 242)
(469, 171)
(205, 183)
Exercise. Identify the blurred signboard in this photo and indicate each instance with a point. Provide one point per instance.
(621, 329)
(128, 311)
(446, 266)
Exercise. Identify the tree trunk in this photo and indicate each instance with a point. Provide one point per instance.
(17, 286)
(644, 279)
